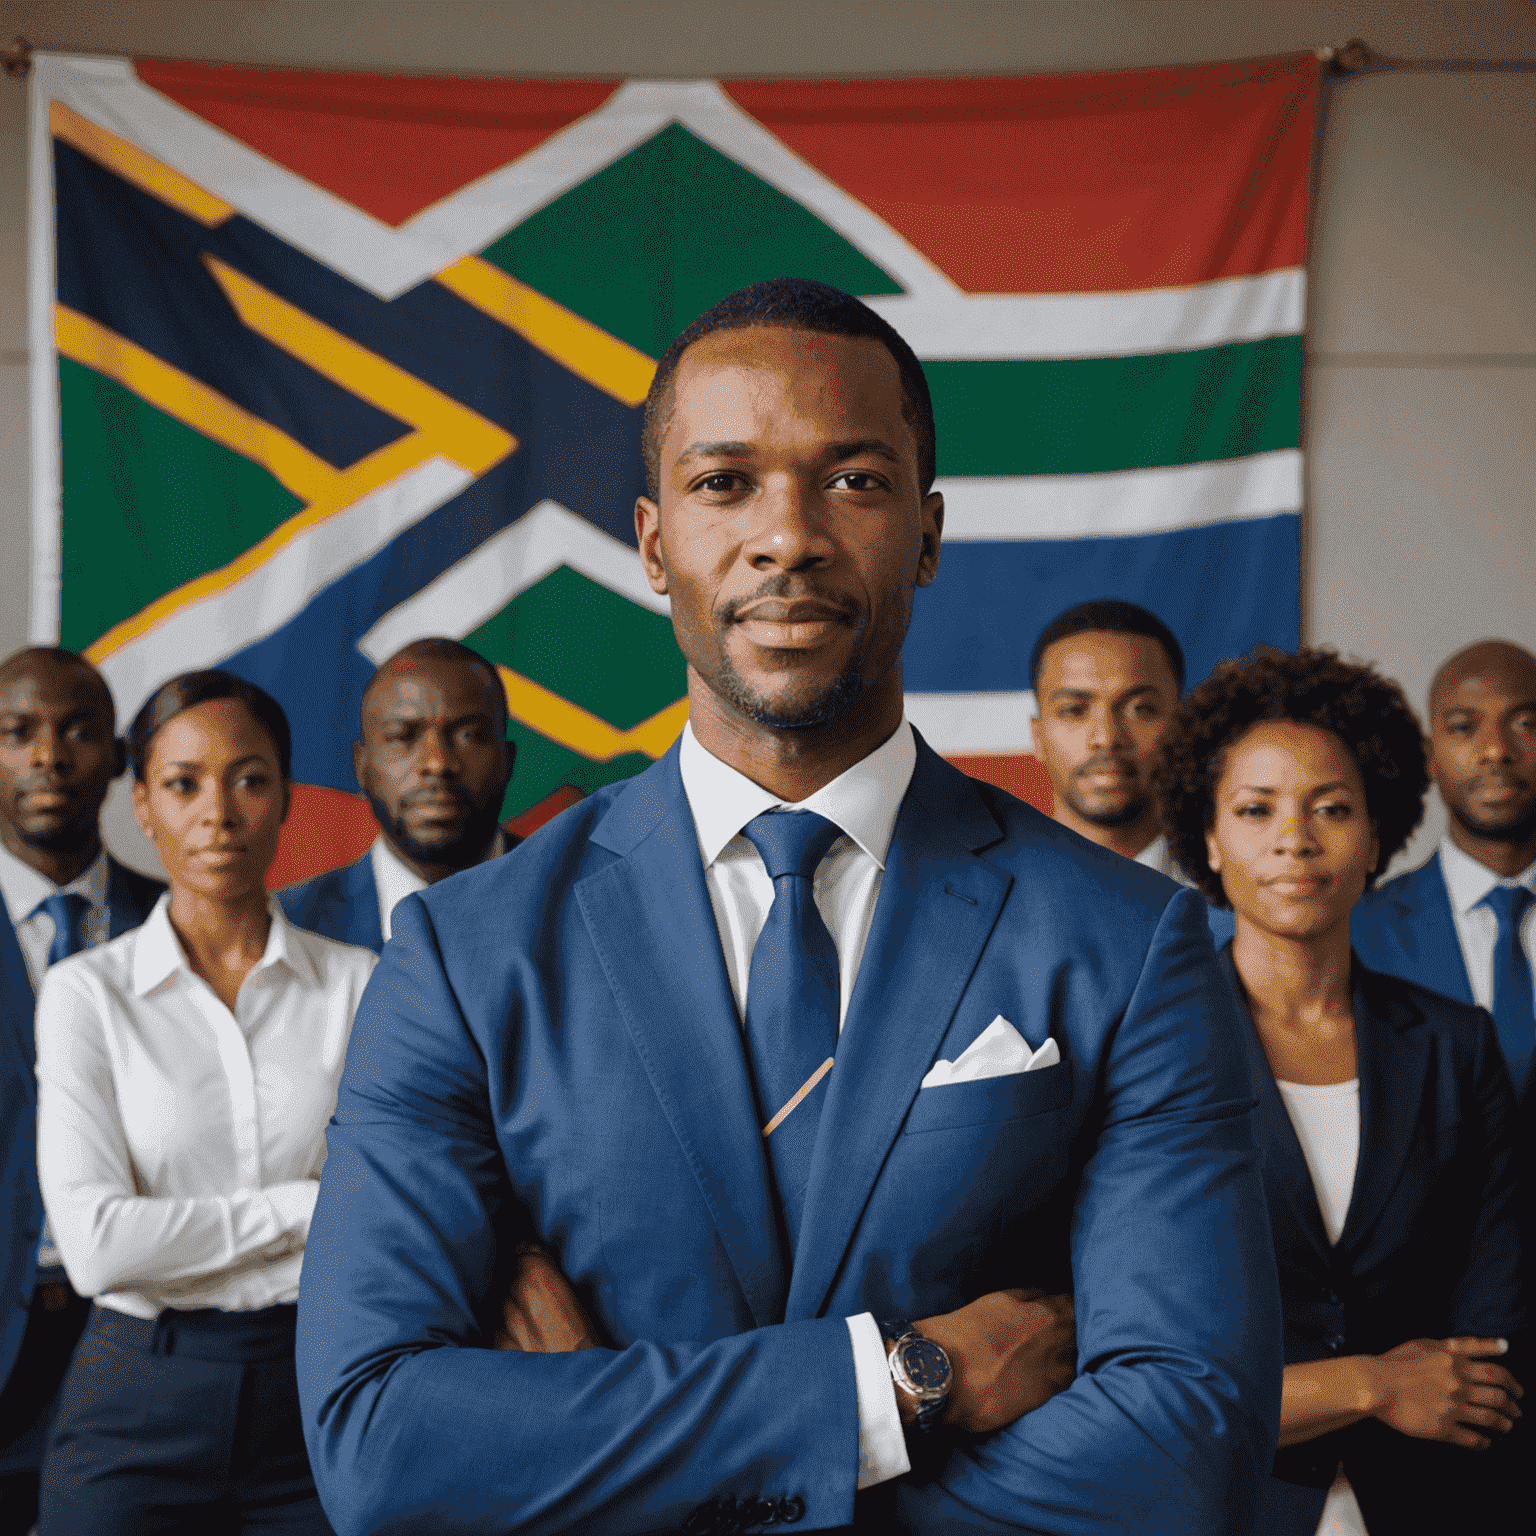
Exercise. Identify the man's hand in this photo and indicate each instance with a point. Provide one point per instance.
(1441, 1389)
(541, 1314)
(1010, 1352)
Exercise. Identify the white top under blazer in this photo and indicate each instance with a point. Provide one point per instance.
(179, 1144)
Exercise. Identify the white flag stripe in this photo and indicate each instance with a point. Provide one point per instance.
(481, 584)
(1066, 325)
(205, 632)
(981, 507)
(974, 723)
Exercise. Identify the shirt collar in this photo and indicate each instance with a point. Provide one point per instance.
(396, 879)
(862, 801)
(1468, 881)
(158, 955)
(23, 887)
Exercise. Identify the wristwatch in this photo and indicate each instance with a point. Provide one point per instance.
(921, 1369)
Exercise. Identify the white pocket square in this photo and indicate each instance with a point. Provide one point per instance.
(998, 1051)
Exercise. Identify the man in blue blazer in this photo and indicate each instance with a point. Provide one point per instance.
(434, 760)
(795, 1038)
(1464, 924)
(62, 891)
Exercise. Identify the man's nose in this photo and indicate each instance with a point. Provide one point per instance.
(1495, 744)
(438, 757)
(789, 528)
(49, 749)
(1293, 831)
(1105, 728)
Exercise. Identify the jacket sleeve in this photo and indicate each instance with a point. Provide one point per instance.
(1173, 1419)
(415, 1424)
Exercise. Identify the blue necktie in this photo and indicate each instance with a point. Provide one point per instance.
(1513, 1009)
(792, 1000)
(67, 909)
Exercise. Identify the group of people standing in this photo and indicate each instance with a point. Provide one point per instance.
(656, 1136)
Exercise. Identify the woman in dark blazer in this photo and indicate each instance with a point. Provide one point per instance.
(1385, 1113)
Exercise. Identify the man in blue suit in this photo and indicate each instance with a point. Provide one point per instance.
(793, 1039)
(1464, 924)
(434, 762)
(63, 892)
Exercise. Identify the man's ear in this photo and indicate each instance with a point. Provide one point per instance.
(1034, 736)
(933, 533)
(358, 758)
(648, 538)
(287, 798)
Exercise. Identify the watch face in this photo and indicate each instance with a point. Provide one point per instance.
(926, 1366)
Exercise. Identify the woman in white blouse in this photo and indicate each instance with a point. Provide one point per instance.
(1384, 1112)
(186, 1072)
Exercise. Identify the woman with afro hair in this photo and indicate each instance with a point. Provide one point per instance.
(1385, 1113)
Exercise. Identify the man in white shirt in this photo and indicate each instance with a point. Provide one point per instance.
(63, 892)
(799, 1052)
(434, 760)
(1106, 677)
(1464, 923)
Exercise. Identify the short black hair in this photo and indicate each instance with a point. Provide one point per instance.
(190, 689)
(1115, 617)
(1369, 713)
(440, 648)
(18, 661)
(792, 304)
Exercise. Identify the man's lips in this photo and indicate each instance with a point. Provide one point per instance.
(1296, 885)
(46, 799)
(790, 623)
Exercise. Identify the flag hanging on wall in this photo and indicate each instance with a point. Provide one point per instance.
(325, 363)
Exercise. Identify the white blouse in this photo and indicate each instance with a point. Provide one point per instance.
(1326, 1118)
(179, 1144)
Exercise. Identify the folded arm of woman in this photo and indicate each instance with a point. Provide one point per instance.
(112, 1237)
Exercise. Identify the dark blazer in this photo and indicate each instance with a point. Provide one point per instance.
(1406, 929)
(130, 896)
(550, 1046)
(1431, 1245)
(340, 904)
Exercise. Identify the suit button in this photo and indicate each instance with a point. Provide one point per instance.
(791, 1511)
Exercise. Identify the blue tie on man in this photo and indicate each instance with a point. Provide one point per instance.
(792, 1001)
(1038, 1067)
(58, 756)
(1461, 923)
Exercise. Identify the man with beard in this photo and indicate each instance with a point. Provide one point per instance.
(434, 762)
(63, 892)
(798, 1054)
(1106, 676)
(1464, 924)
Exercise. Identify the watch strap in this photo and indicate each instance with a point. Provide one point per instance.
(931, 1410)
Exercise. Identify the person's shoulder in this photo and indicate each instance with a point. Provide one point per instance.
(1408, 889)
(105, 967)
(143, 888)
(307, 896)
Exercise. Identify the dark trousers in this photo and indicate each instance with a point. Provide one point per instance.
(26, 1404)
(186, 1424)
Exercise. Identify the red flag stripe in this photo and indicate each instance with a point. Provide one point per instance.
(389, 144)
(1144, 179)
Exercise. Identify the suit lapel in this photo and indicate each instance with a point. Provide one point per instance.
(1394, 1068)
(938, 904)
(1427, 932)
(650, 920)
(16, 995)
(1286, 1174)
(360, 891)
(130, 898)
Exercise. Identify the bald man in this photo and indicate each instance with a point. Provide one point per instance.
(434, 761)
(1464, 924)
(63, 892)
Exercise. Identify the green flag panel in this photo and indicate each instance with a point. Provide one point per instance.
(149, 504)
(577, 638)
(543, 766)
(650, 242)
(1087, 415)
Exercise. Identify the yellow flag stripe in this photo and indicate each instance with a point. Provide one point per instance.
(586, 350)
(137, 165)
(571, 726)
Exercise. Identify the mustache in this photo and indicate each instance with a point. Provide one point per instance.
(1104, 762)
(438, 793)
(1502, 777)
(790, 589)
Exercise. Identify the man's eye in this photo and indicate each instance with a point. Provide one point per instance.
(858, 480)
(1253, 811)
(181, 784)
(1336, 810)
(719, 485)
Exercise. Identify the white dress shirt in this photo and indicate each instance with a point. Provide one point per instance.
(1326, 1118)
(864, 802)
(23, 888)
(394, 879)
(179, 1145)
(1467, 882)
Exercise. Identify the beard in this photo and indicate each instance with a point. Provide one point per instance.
(460, 852)
(72, 837)
(1521, 830)
(1120, 816)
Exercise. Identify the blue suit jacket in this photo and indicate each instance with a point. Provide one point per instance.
(340, 904)
(1405, 928)
(130, 896)
(1431, 1245)
(550, 1047)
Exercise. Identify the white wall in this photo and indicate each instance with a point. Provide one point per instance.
(1421, 418)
